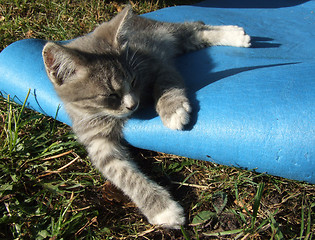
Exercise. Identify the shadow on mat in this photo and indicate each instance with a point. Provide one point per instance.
(250, 3)
(201, 65)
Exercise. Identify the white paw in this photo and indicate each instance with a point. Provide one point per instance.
(231, 28)
(172, 217)
(180, 118)
(226, 35)
(235, 36)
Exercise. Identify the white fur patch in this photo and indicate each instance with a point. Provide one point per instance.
(171, 217)
(226, 35)
(130, 101)
(180, 118)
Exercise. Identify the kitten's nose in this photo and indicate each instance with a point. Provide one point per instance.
(131, 102)
(132, 107)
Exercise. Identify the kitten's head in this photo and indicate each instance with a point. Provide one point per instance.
(92, 75)
(91, 83)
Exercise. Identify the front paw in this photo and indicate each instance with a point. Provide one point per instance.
(176, 115)
(171, 217)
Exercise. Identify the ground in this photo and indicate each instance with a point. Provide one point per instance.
(49, 190)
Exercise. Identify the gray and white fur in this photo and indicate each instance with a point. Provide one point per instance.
(103, 77)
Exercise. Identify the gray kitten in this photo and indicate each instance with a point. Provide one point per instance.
(104, 76)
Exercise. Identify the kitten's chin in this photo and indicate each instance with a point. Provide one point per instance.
(126, 115)
(121, 115)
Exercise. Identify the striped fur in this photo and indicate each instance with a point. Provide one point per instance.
(103, 78)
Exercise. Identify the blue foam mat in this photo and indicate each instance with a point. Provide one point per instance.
(253, 108)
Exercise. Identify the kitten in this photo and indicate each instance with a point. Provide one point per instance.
(104, 76)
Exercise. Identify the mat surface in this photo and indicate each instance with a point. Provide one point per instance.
(253, 108)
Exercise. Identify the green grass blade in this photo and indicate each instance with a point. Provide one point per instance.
(23, 107)
(309, 222)
(224, 233)
(257, 200)
(236, 192)
(185, 234)
(302, 221)
(275, 228)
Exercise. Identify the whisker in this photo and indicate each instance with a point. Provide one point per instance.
(131, 60)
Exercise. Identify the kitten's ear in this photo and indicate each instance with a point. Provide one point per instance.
(62, 64)
(110, 30)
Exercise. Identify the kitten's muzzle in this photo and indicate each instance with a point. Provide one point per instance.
(131, 102)
(133, 107)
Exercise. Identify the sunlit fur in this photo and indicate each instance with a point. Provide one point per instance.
(103, 77)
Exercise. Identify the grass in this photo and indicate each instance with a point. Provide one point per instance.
(49, 190)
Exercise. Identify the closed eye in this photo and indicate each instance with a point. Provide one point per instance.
(114, 96)
(112, 101)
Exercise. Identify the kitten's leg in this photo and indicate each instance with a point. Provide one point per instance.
(196, 35)
(224, 35)
(153, 200)
(172, 103)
